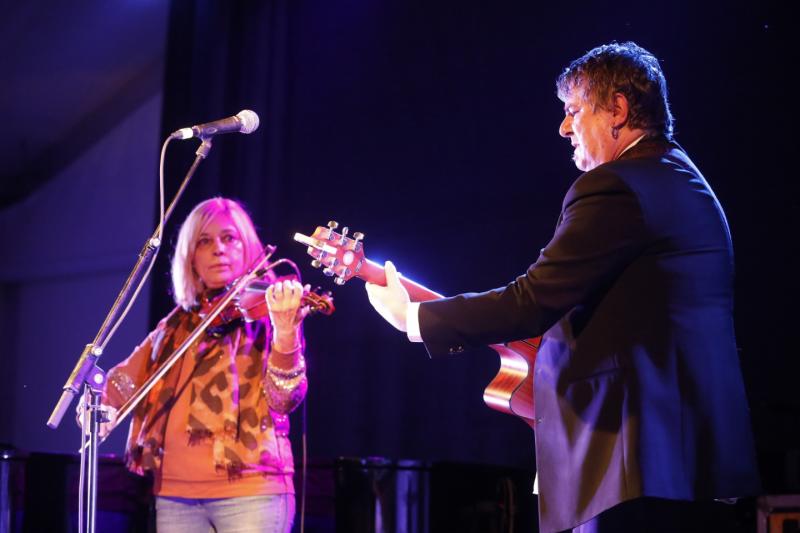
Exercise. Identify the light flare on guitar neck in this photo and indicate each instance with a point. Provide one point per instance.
(314, 243)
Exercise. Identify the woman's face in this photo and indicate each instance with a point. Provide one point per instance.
(219, 253)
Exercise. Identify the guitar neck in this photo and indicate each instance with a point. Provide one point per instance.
(374, 273)
(511, 391)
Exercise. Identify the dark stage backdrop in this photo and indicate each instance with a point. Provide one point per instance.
(431, 126)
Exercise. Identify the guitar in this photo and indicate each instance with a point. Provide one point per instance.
(342, 257)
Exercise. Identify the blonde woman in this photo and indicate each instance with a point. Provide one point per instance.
(214, 431)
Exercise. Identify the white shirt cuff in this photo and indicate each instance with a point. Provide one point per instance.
(412, 322)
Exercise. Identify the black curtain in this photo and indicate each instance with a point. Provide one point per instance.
(222, 59)
(431, 126)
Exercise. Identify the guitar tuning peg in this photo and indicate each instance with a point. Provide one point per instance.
(339, 281)
(316, 263)
(344, 234)
(328, 271)
(358, 236)
(333, 224)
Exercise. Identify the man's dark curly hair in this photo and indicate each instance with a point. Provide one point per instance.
(624, 68)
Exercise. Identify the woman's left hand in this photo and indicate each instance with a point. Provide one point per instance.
(284, 299)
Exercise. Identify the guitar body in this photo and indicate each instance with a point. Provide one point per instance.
(511, 390)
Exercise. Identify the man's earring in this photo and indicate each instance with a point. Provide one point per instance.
(615, 132)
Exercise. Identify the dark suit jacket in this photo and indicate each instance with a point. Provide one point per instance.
(637, 384)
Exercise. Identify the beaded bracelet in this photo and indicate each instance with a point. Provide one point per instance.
(286, 385)
(285, 374)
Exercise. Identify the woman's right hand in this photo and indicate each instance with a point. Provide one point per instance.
(286, 312)
(105, 427)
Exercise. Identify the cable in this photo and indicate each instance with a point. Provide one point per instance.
(304, 468)
(159, 238)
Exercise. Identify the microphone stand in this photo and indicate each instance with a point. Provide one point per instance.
(87, 373)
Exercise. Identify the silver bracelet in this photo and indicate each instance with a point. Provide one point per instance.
(284, 374)
(290, 352)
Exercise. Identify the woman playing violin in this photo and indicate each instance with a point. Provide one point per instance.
(214, 430)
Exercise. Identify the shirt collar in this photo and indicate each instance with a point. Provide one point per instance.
(631, 145)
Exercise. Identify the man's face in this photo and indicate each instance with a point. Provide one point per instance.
(589, 131)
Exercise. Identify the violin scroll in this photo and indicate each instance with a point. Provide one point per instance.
(319, 302)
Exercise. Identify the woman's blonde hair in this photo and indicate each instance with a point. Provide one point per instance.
(186, 284)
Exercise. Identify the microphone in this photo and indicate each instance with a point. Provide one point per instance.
(245, 122)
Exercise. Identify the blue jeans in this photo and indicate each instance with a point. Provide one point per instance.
(272, 513)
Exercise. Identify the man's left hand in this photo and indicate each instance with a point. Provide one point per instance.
(391, 301)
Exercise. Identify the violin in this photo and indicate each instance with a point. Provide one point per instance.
(251, 305)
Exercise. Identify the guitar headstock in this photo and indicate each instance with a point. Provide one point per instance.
(337, 254)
